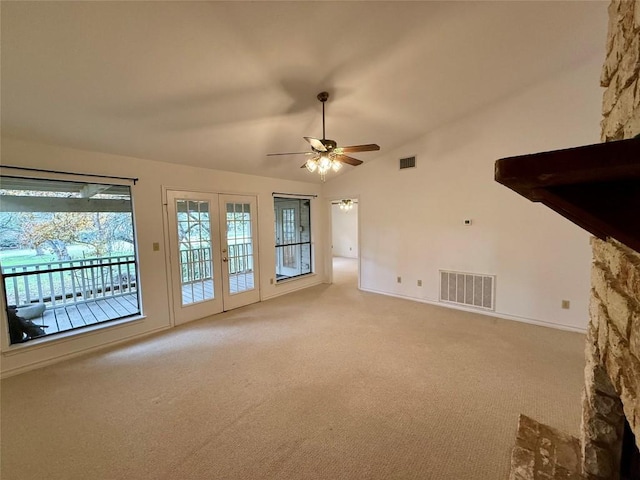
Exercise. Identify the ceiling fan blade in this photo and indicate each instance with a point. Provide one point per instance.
(348, 160)
(358, 148)
(317, 144)
(290, 153)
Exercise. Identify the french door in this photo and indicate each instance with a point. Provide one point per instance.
(238, 220)
(213, 252)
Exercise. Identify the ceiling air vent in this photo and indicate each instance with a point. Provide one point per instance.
(409, 162)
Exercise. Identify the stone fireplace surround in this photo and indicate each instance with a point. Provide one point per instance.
(612, 373)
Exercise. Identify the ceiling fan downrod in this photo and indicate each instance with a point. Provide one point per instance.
(323, 97)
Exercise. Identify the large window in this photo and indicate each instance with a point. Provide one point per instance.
(293, 237)
(67, 255)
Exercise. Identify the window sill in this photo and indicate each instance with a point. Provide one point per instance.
(69, 335)
(293, 279)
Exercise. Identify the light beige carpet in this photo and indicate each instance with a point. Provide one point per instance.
(326, 383)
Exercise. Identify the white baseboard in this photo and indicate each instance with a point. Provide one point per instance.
(83, 351)
(515, 318)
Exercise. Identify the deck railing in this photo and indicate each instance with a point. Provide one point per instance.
(73, 281)
(60, 283)
(240, 258)
(195, 263)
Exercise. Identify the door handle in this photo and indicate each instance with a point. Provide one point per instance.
(224, 259)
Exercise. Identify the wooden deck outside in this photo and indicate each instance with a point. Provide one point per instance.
(70, 316)
(199, 291)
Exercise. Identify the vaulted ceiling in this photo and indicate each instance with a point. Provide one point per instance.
(220, 84)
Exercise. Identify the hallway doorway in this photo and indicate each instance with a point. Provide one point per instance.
(345, 241)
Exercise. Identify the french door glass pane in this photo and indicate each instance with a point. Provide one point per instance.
(240, 245)
(194, 237)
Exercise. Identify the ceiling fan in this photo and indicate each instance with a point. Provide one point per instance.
(325, 153)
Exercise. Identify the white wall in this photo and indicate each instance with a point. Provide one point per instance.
(411, 221)
(344, 231)
(150, 216)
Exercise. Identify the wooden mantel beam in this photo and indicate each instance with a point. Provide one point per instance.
(596, 187)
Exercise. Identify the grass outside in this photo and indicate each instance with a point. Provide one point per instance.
(13, 257)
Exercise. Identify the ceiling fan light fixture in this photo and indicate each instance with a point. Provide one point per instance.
(336, 165)
(324, 163)
(312, 164)
(346, 205)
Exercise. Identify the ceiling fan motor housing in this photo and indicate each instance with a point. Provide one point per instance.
(328, 144)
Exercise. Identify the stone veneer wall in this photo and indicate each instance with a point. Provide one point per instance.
(612, 372)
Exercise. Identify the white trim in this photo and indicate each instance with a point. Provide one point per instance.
(300, 287)
(68, 335)
(302, 276)
(165, 188)
(487, 313)
(84, 351)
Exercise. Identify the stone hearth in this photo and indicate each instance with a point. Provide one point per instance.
(544, 452)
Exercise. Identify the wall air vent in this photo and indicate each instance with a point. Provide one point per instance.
(468, 289)
(409, 162)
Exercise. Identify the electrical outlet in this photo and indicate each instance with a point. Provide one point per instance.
(156, 246)
(271, 280)
(399, 280)
(419, 283)
(566, 304)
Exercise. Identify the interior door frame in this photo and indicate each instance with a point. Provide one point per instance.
(167, 243)
(329, 238)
